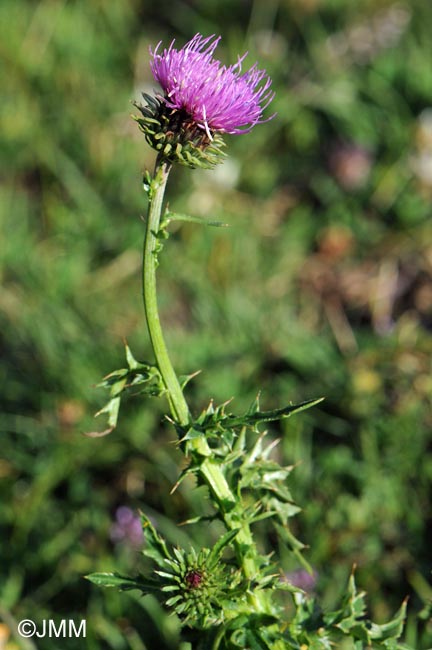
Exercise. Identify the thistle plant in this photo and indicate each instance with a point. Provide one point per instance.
(232, 595)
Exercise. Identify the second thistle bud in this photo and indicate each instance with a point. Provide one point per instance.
(198, 587)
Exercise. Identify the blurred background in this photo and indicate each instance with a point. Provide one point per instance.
(320, 287)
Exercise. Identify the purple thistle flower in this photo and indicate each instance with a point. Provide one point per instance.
(302, 579)
(216, 98)
(127, 527)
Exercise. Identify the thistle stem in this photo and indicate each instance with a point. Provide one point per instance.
(178, 405)
(210, 471)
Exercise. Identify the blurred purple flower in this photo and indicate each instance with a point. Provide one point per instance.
(126, 528)
(215, 97)
(302, 579)
(351, 165)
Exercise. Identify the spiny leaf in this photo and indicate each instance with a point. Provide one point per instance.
(294, 544)
(123, 582)
(155, 548)
(392, 629)
(177, 216)
(185, 379)
(218, 548)
(275, 414)
(144, 375)
(215, 421)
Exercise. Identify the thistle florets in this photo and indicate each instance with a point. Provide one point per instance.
(201, 100)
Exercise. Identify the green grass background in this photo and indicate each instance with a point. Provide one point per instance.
(320, 287)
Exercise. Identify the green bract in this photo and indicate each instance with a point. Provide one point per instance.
(176, 137)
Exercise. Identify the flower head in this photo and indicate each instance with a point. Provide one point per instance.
(216, 97)
(201, 100)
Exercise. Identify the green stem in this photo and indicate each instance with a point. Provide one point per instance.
(178, 405)
(210, 470)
